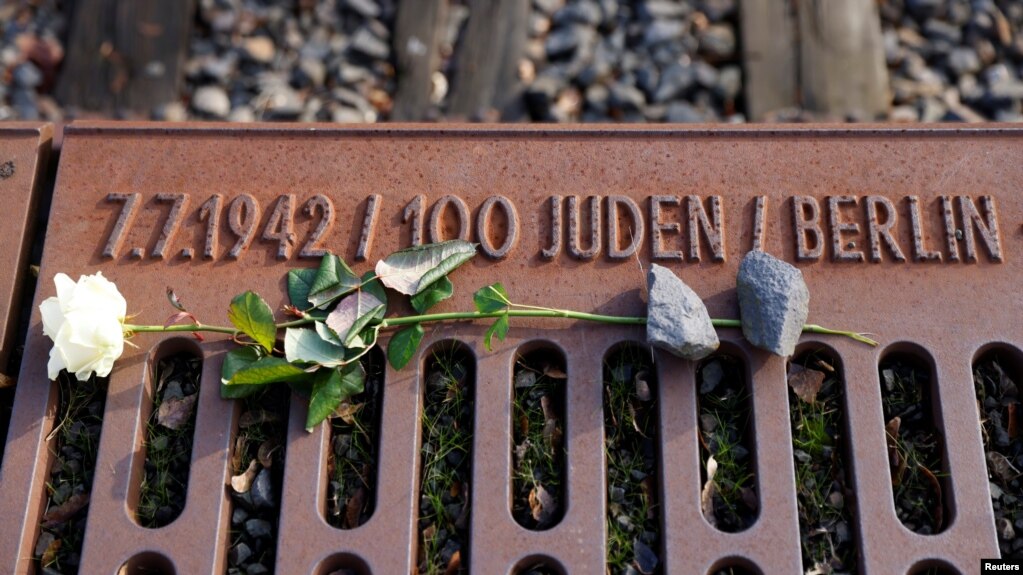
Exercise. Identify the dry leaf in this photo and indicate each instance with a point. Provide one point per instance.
(938, 512)
(895, 459)
(347, 411)
(708, 492)
(454, 564)
(49, 556)
(353, 508)
(548, 409)
(825, 366)
(266, 451)
(647, 485)
(749, 497)
(174, 412)
(553, 435)
(642, 387)
(65, 511)
(256, 417)
(236, 453)
(429, 532)
(7, 381)
(554, 373)
(1001, 467)
(242, 482)
(806, 383)
(542, 504)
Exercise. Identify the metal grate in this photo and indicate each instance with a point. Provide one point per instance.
(695, 200)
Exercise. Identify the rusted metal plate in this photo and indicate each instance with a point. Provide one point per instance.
(911, 234)
(24, 150)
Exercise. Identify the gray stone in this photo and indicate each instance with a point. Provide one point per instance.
(262, 490)
(718, 42)
(658, 9)
(677, 320)
(564, 41)
(582, 12)
(675, 80)
(366, 8)
(626, 97)
(730, 82)
(212, 101)
(239, 516)
(365, 42)
(923, 9)
(963, 61)
(258, 528)
(256, 569)
(773, 302)
(645, 558)
(663, 31)
(684, 113)
(239, 554)
(43, 543)
(27, 75)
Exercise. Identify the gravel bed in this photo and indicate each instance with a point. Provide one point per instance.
(585, 60)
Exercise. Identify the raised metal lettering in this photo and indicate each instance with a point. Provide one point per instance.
(414, 213)
(882, 232)
(574, 241)
(124, 220)
(318, 203)
(975, 224)
(951, 237)
(657, 228)
(554, 249)
(759, 225)
(242, 217)
(839, 251)
(484, 225)
(806, 216)
(170, 227)
(712, 228)
(210, 213)
(614, 221)
(439, 222)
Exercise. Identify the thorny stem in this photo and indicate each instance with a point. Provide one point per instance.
(473, 315)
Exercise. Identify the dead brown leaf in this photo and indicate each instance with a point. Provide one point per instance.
(1001, 467)
(49, 556)
(554, 373)
(806, 383)
(175, 412)
(61, 513)
(542, 504)
(7, 381)
(548, 409)
(353, 508)
(266, 452)
(347, 411)
(939, 511)
(749, 498)
(642, 386)
(429, 532)
(242, 482)
(708, 492)
(647, 486)
(256, 417)
(236, 453)
(454, 564)
(895, 459)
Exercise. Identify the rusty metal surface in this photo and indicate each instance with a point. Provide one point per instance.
(948, 295)
(24, 150)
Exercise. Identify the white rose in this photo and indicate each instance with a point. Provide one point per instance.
(85, 322)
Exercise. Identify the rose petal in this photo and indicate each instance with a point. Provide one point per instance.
(55, 364)
(98, 294)
(65, 289)
(53, 317)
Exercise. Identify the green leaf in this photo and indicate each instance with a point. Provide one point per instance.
(300, 283)
(499, 328)
(403, 345)
(253, 317)
(491, 298)
(373, 287)
(237, 359)
(268, 370)
(306, 346)
(412, 270)
(435, 293)
(333, 280)
(327, 334)
(330, 388)
(354, 313)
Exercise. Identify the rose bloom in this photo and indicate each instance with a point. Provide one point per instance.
(85, 322)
